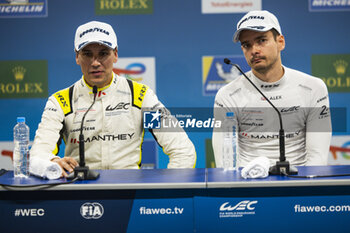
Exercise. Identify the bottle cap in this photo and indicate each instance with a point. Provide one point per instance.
(21, 119)
(230, 114)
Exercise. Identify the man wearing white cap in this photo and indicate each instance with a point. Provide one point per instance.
(113, 128)
(301, 99)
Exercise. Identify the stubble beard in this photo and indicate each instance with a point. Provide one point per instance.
(264, 69)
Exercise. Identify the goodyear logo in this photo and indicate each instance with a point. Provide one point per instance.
(23, 8)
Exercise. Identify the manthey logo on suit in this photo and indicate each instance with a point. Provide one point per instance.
(23, 8)
(24, 79)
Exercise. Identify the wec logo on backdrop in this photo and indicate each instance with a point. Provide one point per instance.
(242, 208)
(243, 205)
(29, 212)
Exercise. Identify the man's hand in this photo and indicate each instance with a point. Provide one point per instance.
(67, 164)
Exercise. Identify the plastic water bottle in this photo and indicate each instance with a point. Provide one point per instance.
(230, 142)
(21, 150)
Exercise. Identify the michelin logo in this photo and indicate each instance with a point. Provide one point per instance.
(329, 5)
(245, 207)
(23, 8)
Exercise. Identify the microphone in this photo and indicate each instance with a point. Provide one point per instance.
(83, 172)
(282, 166)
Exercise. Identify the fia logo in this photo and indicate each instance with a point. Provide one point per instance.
(91, 210)
(151, 120)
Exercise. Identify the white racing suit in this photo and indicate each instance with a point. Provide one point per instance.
(304, 106)
(113, 128)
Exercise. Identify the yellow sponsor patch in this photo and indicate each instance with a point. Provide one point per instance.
(139, 93)
(63, 99)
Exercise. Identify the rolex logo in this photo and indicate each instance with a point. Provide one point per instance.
(19, 72)
(340, 66)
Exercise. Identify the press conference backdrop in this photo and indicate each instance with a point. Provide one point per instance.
(176, 47)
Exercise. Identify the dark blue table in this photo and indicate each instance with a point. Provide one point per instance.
(276, 203)
(118, 201)
(123, 179)
(219, 178)
(180, 200)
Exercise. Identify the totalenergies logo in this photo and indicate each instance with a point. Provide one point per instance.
(344, 150)
(133, 69)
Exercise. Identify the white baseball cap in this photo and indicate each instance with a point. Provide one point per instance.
(261, 21)
(95, 32)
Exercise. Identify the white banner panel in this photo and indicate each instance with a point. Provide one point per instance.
(339, 152)
(6, 151)
(229, 6)
(139, 69)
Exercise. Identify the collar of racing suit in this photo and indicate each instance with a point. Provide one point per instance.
(270, 86)
(101, 92)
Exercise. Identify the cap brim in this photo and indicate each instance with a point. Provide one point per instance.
(238, 32)
(84, 44)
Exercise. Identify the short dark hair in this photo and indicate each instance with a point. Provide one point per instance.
(275, 33)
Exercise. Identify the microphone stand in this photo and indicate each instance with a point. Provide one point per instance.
(83, 172)
(282, 166)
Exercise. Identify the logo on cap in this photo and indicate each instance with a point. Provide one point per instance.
(93, 30)
(251, 17)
